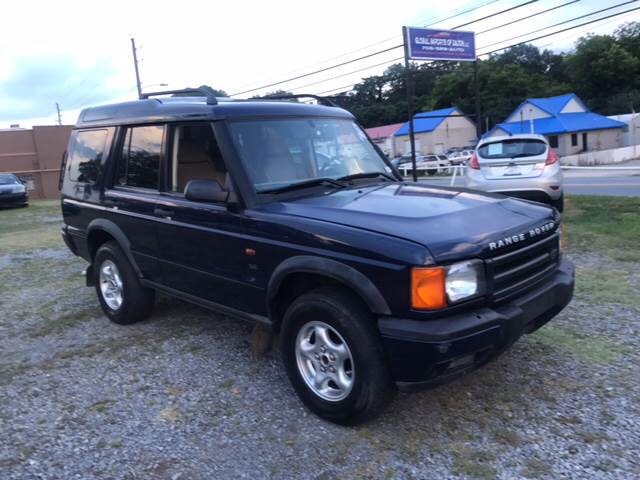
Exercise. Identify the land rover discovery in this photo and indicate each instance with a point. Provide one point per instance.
(286, 214)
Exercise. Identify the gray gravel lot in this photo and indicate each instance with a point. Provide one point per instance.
(180, 396)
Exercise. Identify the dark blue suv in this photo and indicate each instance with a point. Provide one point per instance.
(285, 214)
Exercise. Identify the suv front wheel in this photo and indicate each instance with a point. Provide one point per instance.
(122, 297)
(334, 358)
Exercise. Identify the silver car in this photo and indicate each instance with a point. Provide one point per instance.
(523, 166)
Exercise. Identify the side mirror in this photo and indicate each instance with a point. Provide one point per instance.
(205, 191)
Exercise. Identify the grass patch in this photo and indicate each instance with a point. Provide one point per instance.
(609, 225)
(31, 228)
(586, 348)
(600, 286)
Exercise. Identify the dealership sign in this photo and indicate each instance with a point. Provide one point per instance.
(430, 44)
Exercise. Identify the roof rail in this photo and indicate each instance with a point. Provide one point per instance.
(211, 98)
(323, 100)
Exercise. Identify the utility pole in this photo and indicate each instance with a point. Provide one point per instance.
(476, 88)
(59, 116)
(410, 108)
(135, 65)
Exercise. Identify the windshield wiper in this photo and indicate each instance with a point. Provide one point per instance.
(355, 176)
(312, 182)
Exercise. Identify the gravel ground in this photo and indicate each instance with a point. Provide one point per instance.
(180, 396)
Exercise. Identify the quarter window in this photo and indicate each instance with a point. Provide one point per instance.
(85, 155)
(140, 161)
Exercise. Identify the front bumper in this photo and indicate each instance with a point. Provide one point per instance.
(14, 198)
(429, 352)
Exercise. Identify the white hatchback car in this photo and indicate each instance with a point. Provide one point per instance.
(523, 166)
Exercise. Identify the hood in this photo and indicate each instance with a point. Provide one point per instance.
(452, 223)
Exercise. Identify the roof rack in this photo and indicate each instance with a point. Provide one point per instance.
(211, 98)
(323, 100)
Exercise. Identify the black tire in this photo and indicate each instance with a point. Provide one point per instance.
(137, 301)
(559, 203)
(373, 387)
(432, 171)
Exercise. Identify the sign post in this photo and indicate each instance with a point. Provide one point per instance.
(429, 44)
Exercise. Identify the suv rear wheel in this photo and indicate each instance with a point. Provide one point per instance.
(334, 358)
(122, 297)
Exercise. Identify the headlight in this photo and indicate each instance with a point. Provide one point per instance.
(19, 189)
(438, 287)
(463, 280)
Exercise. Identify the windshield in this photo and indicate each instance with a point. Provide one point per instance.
(512, 148)
(278, 153)
(8, 179)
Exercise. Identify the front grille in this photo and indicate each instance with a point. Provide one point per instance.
(513, 272)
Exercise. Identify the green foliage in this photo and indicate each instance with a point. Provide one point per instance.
(603, 70)
(214, 91)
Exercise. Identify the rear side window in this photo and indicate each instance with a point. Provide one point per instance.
(87, 150)
(140, 161)
(515, 148)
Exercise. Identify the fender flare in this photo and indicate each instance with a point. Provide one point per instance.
(341, 272)
(121, 239)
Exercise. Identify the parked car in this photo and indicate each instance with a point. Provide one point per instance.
(285, 214)
(459, 157)
(424, 163)
(523, 166)
(12, 190)
(433, 163)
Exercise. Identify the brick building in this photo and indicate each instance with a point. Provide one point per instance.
(35, 156)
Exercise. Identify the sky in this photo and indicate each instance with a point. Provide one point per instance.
(78, 54)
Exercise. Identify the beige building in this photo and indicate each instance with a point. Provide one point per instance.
(566, 122)
(436, 132)
(35, 155)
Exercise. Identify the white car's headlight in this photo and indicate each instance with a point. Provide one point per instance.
(464, 280)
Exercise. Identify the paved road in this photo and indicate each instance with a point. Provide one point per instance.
(583, 184)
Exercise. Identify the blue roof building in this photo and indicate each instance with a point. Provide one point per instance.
(436, 132)
(566, 122)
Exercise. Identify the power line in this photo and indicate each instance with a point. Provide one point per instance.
(561, 23)
(528, 40)
(374, 53)
(527, 17)
(563, 30)
(400, 58)
(433, 21)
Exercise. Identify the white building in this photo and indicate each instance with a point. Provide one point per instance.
(630, 133)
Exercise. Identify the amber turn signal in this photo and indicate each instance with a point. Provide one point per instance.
(428, 288)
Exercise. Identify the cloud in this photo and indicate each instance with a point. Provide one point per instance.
(35, 83)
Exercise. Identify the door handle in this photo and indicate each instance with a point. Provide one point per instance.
(163, 212)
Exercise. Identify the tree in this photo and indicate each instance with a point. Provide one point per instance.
(600, 68)
(212, 91)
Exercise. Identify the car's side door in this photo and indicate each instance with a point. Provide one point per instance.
(199, 249)
(132, 195)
